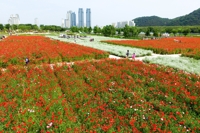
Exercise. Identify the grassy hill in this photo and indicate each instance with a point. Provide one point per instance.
(192, 18)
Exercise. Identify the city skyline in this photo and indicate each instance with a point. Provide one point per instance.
(103, 12)
(70, 20)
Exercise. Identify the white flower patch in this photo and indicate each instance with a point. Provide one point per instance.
(31, 110)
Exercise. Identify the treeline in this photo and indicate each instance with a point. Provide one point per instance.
(134, 32)
(108, 30)
(30, 27)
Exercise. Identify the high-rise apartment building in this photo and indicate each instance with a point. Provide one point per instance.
(68, 21)
(62, 23)
(88, 17)
(124, 23)
(73, 19)
(14, 19)
(36, 21)
(80, 17)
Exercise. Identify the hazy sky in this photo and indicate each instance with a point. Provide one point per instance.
(103, 12)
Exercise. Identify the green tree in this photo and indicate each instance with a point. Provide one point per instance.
(58, 28)
(74, 29)
(14, 27)
(95, 29)
(168, 30)
(180, 30)
(119, 30)
(99, 30)
(7, 26)
(155, 33)
(85, 29)
(89, 29)
(174, 31)
(35, 27)
(42, 27)
(108, 30)
(151, 29)
(126, 31)
(147, 33)
(1, 27)
(186, 32)
(133, 31)
(80, 29)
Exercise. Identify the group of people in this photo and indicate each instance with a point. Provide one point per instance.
(133, 55)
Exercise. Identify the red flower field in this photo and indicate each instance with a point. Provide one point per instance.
(14, 50)
(91, 96)
(188, 46)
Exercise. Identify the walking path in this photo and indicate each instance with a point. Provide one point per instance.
(111, 57)
(142, 58)
(117, 57)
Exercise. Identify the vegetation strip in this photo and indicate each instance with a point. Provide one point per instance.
(99, 96)
(38, 49)
(187, 46)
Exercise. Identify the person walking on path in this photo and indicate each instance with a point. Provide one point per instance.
(127, 53)
(133, 56)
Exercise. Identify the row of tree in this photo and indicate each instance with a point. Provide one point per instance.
(129, 32)
(108, 30)
(30, 27)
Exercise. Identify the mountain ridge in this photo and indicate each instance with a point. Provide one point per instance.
(190, 19)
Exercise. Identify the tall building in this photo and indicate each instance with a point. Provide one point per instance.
(80, 17)
(36, 21)
(118, 24)
(124, 23)
(73, 19)
(131, 23)
(68, 21)
(62, 23)
(88, 17)
(14, 19)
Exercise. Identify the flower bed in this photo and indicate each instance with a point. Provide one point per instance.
(182, 63)
(99, 96)
(182, 45)
(112, 49)
(38, 49)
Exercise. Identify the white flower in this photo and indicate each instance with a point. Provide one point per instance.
(49, 125)
(143, 117)
(31, 110)
(161, 119)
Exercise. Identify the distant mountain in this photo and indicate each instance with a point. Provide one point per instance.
(188, 20)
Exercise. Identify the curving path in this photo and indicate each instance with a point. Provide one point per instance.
(151, 56)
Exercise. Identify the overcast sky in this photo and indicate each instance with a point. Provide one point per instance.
(103, 12)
